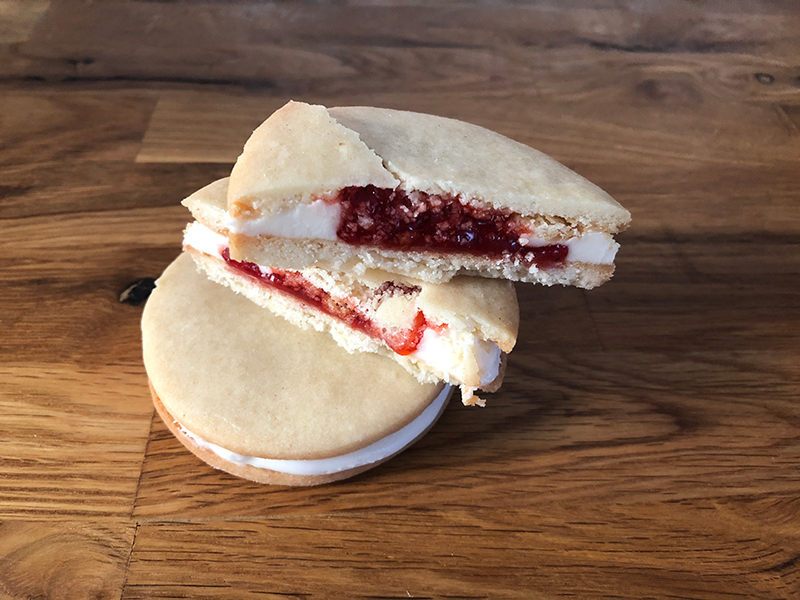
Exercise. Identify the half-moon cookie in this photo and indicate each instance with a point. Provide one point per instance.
(419, 195)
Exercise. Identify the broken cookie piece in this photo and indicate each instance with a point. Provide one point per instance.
(428, 197)
(458, 332)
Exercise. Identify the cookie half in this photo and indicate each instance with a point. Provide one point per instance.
(458, 331)
(415, 194)
(253, 395)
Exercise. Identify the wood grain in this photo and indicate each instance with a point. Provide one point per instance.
(547, 553)
(73, 439)
(666, 122)
(466, 47)
(618, 428)
(70, 559)
(647, 440)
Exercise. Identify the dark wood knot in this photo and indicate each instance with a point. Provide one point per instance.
(138, 291)
(765, 78)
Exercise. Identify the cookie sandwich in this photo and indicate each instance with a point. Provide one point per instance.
(365, 258)
(251, 394)
(428, 197)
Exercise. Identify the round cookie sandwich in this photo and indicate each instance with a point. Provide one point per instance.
(415, 194)
(253, 395)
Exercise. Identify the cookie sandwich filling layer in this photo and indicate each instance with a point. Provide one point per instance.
(419, 338)
(375, 452)
(394, 219)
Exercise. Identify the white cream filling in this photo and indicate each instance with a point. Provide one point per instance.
(594, 247)
(451, 353)
(318, 220)
(198, 236)
(383, 448)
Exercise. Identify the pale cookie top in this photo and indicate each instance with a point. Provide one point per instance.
(445, 156)
(249, 381)
(487, 307)
(303, 152)
(298, 154)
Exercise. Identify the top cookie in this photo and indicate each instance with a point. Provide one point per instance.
(304, 152)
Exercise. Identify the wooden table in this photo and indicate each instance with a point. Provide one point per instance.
(646, 443)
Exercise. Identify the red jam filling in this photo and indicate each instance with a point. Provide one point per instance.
(394, 219)
(401, 341)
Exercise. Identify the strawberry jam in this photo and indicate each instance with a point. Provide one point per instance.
(405, 341)
(401, 341)
(394, 219)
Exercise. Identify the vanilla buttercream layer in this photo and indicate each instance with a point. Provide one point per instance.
(455, 356)
(320, 220)
(374, 453)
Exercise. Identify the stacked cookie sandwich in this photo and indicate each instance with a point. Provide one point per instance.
(380, 235)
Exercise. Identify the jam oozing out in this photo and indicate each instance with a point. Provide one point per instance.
(401, 341)
(405, 341)
(394, 219)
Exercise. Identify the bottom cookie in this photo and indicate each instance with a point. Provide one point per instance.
(257, 397)
(206, 452)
